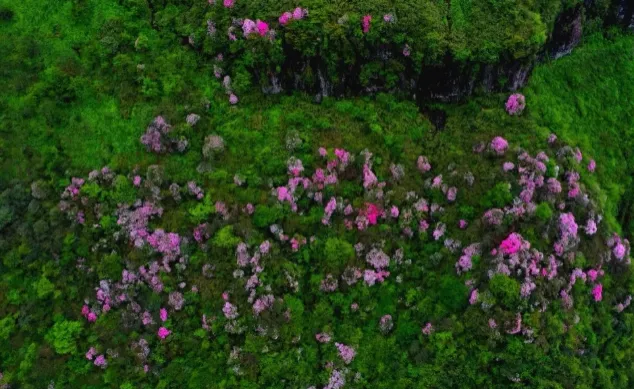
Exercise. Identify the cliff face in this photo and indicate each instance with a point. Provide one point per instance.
(625, 13)
(450, 81)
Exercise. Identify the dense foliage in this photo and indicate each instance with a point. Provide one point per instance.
(157, 233)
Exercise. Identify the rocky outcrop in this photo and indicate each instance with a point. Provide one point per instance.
(448, 81)
(625, 13)
(567, 32)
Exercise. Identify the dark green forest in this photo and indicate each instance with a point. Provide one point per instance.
(316, 194)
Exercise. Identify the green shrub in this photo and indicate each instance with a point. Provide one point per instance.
(63, 336)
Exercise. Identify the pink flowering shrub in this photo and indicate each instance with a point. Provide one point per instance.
(323, 337)
(511, 244)
(230, 311)
(101, 361)
(499, 145)
(262, 27)
(163, 314)
(163, 332)
(365, 23)
(297, 14)
(473, 298)
(346, 353)
(515, 104)
(157, 138)
(597, 292)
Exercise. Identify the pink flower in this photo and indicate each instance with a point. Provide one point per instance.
(511, 244)
(265, 247)
(592, 274)
(85, 310)
(346, 353)
(328, 210)
(136, 181)
(451, 194)
(92, 317)
(492, 324)
(552, 138)
(462, 224)
(474, 297)
(146, 318)
(619, 250)
(369, 179)
(225, 296)
(323, 337)
(233, 99)
(163, 314)
(323, 152)
(100, 361)
(427, 330)
(228, 3)
(372, 213)
(283, 194)
(567, 226)
(423, 164)
(508, 166)
(91, 353)
(515, 104)
(499, 145)
(163, 332)
(299, 13)
(230, 310)
(249, 27)
(285, 18)
(592, 166)
(406, 50)
(437, 182)
(597, 292)
(262, 27)
(366, 23)
(394, 212)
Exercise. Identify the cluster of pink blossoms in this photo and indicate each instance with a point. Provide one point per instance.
(297, 14)
(156, 137)
(499, 145)
(515, 104)
(230, 311)
(386, 323)
(346, 353)
(99, 361)
(72, 190)
(365, 23)
(163, 332)
(88, 314)
(511, 244)
(258, 27)
(323, 337)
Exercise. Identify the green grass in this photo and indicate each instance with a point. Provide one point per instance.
(586, 99)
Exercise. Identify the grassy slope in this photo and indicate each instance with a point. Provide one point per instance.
(586, 99)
